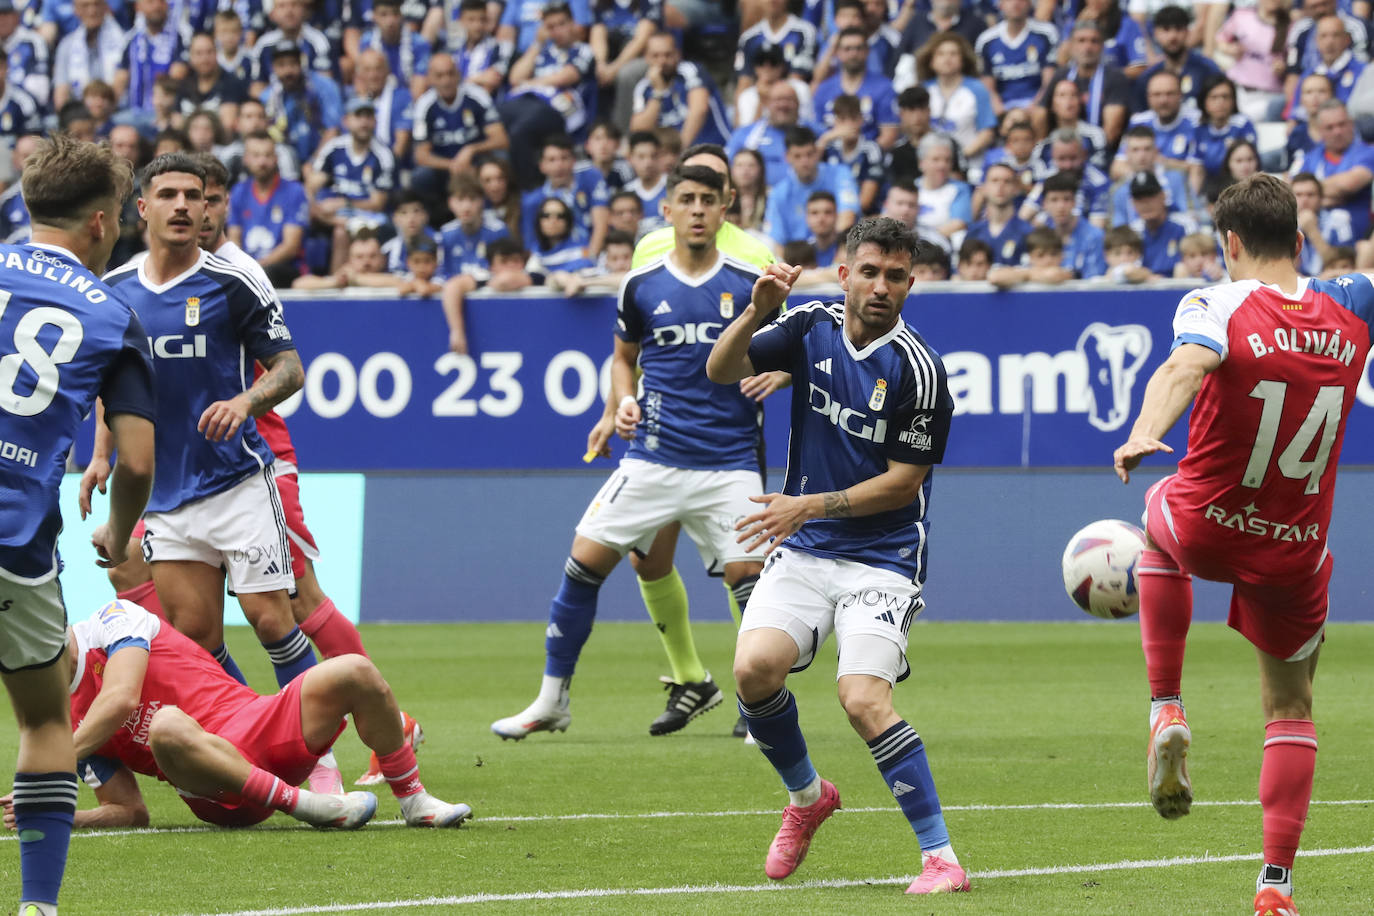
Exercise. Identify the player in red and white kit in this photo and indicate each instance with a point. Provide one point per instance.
(147, 699)
(1270, 363)
(331, 632)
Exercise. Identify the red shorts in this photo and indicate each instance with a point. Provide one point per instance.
(267, 732)
(299, 538)
(1280, 619)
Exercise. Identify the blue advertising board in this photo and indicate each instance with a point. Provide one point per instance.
(1039, 379)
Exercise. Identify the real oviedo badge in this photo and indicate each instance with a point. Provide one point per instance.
(879, 395)
(727, 305)
(192, 311)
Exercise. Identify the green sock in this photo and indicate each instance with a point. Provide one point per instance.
(666, 601)
(734, 605)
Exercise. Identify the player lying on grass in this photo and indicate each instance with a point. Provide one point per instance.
(147, 699)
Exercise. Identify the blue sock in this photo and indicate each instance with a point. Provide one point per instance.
(570, 619)
(773, 723)
(44, 805)
(231, 667)
(290, 656)
(901, 758)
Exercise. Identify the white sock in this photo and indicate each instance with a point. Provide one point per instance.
(553, 691)
(1277, 877)
(1158, 703)
(806, 796)
(945, 852)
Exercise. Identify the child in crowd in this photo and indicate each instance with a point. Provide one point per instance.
(1198, 258)
(975, 260)
(1124, 250)
(1045, 251)
(411, 222)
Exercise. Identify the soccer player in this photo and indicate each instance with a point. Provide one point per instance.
(848, 534)
(215, 506)
(66, 339)
(233, 756)
(1270, 363)
(693, 457)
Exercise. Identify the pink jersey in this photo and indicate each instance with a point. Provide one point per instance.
(180, 673)
(1258, 479)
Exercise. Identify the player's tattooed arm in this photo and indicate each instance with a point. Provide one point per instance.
(836, 504)
(284, 377)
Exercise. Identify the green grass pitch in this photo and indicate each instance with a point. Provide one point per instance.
(604, 818)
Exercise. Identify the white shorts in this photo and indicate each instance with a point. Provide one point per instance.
(807, 596)
(241, 529)
(33, 624)
(641, 497)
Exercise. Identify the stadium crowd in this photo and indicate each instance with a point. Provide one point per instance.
(432, 146)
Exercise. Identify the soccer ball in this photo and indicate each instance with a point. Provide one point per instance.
(1099, 568)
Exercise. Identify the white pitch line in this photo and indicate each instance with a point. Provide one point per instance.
(97, 834)
(587, 893)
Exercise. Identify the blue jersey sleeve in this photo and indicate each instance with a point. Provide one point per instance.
(257, 315)
(773, 346)
(129, 387)
(96, 770)
(921, 420)
(1356, 293)
(629, 323)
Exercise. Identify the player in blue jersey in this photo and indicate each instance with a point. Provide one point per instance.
(65, 340)
(694, 452)
(848, 534)
(215, 507)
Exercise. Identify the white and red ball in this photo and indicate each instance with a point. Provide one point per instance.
(1099, 568)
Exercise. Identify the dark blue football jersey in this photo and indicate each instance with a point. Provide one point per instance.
(205, 328)
(852, 412)
(64, 340)
(688, 420)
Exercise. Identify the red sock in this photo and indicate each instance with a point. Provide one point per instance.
(262, 788)
(144, 595)
(401, 771)
(1166, 611)
(332, 632)
(1285, 786)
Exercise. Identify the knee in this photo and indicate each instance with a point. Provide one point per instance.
(868, 706)
(357, 673)
(757, 677)
(172, 731)
(651, 568)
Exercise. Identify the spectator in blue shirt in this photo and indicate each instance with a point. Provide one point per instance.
(822, 226)
(876, 98)
(350, 179)
(289, 17)
(1221, 125)
(1344, 165)
(1159, 230)
(1143, 156)
(1047, 261)
(768, 135)
(450, 127)
(785, 219)
(91, 51)
(481, 57)
(844, 144)
(558, 246)
(678, 94)
(521, 21)
(268, 215)
(28, 54)
(406, 52)
(1017, 55)
(1192, 67)
(1000, 227)
(20, 113)
(1336, 58)
(395, 111)
(1174, 129)
(618, 38)
(777, 29)
(1082, 240)
(553, 88)
(153, 48)
(584, 193)
(305, 107)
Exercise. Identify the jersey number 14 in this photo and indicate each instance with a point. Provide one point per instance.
(1323, 417)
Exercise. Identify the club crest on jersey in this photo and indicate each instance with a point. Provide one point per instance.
(879, 396)
(727, 305)
(192, 311)
(276, 214)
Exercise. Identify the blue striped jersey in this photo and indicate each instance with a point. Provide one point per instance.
(206, 328)
(853, 411)
(64, 340)
(688, 420)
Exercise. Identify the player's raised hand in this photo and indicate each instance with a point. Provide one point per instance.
(627, 417)
(782, 517)
(223, 418)
(95, 477)
(112, 551)
(599, 439)
(771, 289)
(1126, 458)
